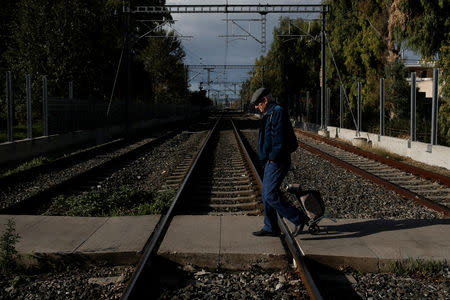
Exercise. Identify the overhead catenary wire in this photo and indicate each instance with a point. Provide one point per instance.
(336, 67)
(340, 81)
(115, 79)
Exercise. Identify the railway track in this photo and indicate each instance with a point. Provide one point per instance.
(224, 182)
(220, 180)
(426, 188)
(72, 174)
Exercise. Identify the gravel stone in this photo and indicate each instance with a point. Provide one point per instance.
(346, 195)
(349, 196)
(253, 284)
(94, 282)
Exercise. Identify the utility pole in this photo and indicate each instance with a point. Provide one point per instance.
(128, 60)
(209, 79)
(323, 68)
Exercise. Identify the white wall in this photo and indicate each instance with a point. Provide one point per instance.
(434, 155)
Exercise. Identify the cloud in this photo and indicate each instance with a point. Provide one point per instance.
(206, 47)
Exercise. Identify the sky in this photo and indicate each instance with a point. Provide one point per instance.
(202, 44)
(200, 33)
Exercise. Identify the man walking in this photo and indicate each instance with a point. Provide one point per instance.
(273, 150)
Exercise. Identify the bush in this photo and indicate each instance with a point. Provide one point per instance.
(38, 161)
(8, 251)
(124, 200)
(419, 268)
(159, 205)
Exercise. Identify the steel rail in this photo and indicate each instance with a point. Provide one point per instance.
(157, 237)
(445, 180)
(61, 161)
(32, 203)
(296, 251)
(399, 190)
(247, 156)
(299, 257)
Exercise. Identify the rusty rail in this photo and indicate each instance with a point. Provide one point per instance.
(445, 180)
(399, 190)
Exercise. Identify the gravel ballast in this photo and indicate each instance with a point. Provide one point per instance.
(93, 282)
(349, 196)
(346, 195)
(254, 284)
(147, 173)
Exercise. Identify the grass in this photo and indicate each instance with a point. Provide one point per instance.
(20, 132)
(8, 251)
(120, 201)
(420, 268)
(27, 165)
(383, 153)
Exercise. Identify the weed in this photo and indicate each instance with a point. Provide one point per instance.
(160, 204)
(383, 153)
(8, 251)
(418, 267)
(124, 200)
(27, 165)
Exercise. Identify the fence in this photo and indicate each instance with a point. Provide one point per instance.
(300, 110)
(61, 115)
(65, 115)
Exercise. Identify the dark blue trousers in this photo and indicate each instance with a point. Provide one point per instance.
(274, 174)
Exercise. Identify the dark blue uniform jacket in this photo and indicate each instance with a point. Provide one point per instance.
(272, 135)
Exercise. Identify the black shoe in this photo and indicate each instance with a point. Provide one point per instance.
(298, 229)
(263, 232)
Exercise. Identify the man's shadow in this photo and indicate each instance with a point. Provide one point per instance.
(369, 227)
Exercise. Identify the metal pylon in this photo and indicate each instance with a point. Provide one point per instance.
(263, 33)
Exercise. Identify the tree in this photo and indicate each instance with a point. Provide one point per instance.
(444, 110)
(199, 98)
(397, 91)
(357, 34)
(66, 41)
(427, 31)
(163, 59)
(291, 66)
(427, 25)
(7, 13)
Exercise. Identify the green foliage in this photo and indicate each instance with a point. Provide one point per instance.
(444, 64)
(8, 251)
(427, 26)
(81, 41)
(163, 59)
(357, 33)
(397, 91)
(123, 200)
(38, 161)
(66, 41)
(199, 98)
(292, 65)
(160, 204)
(418, 267)
(21, 131)
(428, 33)
(444, 124)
